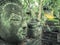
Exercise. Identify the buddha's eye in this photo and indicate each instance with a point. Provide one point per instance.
(28, 13)
(15, 19)
(24, 27)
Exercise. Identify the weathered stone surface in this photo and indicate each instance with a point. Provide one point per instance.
(13, 24)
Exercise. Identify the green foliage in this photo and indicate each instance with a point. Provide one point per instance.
(33, 6)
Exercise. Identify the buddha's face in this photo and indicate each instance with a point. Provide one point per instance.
(11, 19)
